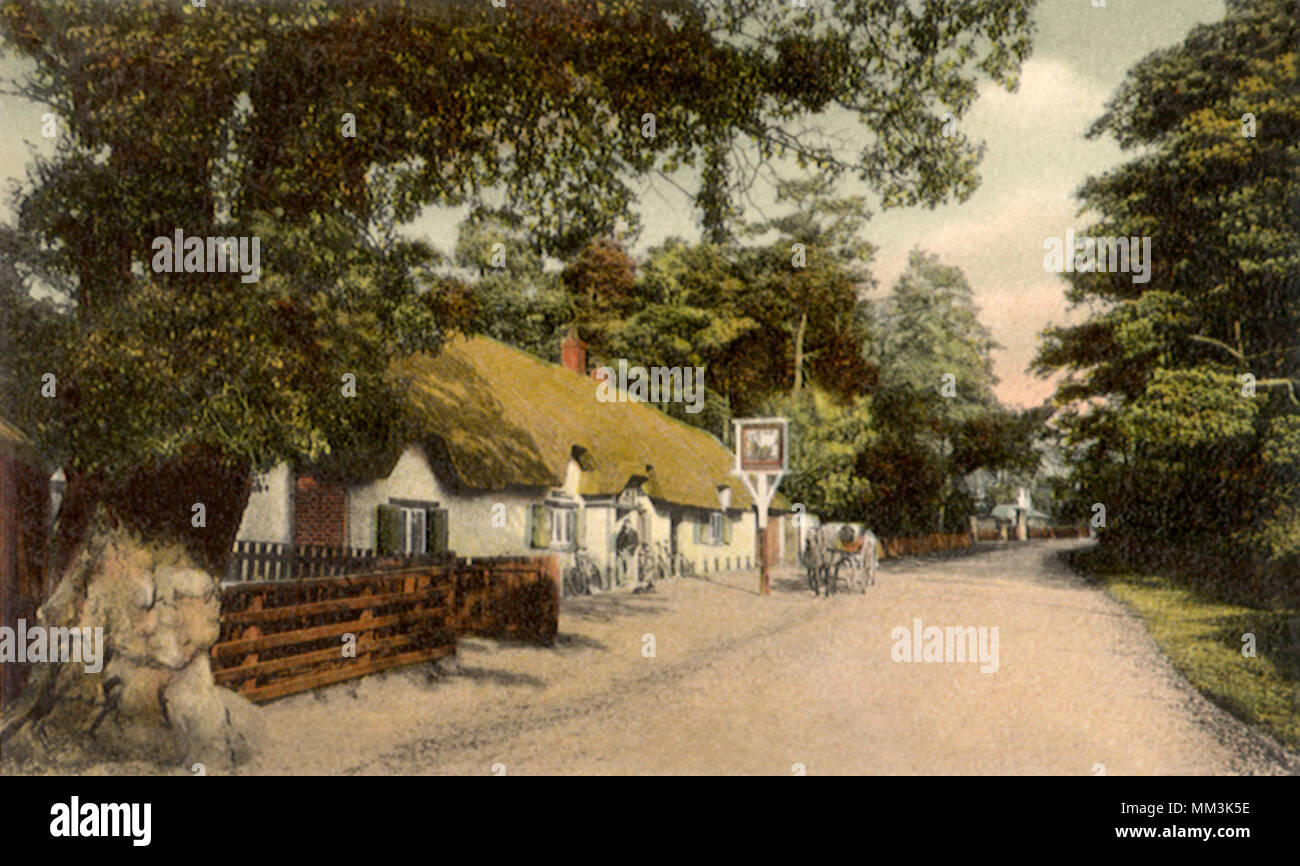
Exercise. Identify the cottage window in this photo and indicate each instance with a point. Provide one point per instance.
(563, 527)
(717, 528)
(411, 529)
(415, 537)
(557, 525)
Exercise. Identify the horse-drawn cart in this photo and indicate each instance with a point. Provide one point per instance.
(838, 552)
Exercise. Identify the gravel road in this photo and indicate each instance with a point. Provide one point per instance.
(740, 684)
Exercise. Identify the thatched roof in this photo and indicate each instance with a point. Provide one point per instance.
(504, 418)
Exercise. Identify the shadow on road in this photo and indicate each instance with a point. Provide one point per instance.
(570, 641)
(500, 678)
(610, 606)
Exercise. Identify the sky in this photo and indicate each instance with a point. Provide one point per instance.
(1035, 160)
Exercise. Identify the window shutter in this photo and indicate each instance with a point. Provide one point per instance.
(726, 529)
(697, 531)
(580, 527)
(435, 523)
(389, 529)
(540, 530)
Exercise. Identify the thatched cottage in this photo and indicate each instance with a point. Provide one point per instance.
(518, 457)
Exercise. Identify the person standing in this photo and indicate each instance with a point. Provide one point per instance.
(625, 545)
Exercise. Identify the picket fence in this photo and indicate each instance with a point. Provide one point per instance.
(265, 560)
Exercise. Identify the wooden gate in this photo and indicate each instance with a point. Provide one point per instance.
(282, 637)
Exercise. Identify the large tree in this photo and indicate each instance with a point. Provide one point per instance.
(680, 318)
(759, 319)
(1181, 400)
(807, 288)
(517, 300)
(319, 127)
(938, 419)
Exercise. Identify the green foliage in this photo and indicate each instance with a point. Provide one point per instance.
(929, 328)
(33, 342)
(826, 439)
(227, 120)
(255, 372)
(754, 320)
(1189, 410)
(519, 303)
(1159, 408)
(934, 407)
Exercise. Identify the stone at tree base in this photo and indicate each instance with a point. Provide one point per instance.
(213, 726)
(155, 699)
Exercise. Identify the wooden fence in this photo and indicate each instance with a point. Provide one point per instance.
(265, 560)
(1059, 532)
(282, 637)
(1062, 531)
(922, 544)
(517, 597)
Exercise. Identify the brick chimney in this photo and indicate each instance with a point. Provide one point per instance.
(320, 512)
(573, 353)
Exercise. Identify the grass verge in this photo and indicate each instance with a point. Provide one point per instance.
(1205, 638)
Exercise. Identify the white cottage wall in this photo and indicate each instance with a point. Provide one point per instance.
(712, 557)
(470, 527)
(269, 513)
(470, 516)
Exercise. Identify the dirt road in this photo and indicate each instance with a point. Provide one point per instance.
(739, 684)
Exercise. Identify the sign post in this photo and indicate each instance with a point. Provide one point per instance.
(762, 459)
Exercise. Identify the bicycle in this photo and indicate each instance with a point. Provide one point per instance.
(677, 564)
(683, 566)
(664, 561)
(648, 566)
(680, 566)
(583, 576)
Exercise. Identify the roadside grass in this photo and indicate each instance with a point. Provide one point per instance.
(1204, 639)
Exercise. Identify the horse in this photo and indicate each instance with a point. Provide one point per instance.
(833, 547)
(817, 558)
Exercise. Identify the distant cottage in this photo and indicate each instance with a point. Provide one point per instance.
(518, 457)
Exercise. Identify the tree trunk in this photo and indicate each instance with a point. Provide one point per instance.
(141, 581)
(798, 353)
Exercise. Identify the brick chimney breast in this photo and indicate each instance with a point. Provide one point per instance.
(573, 353)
